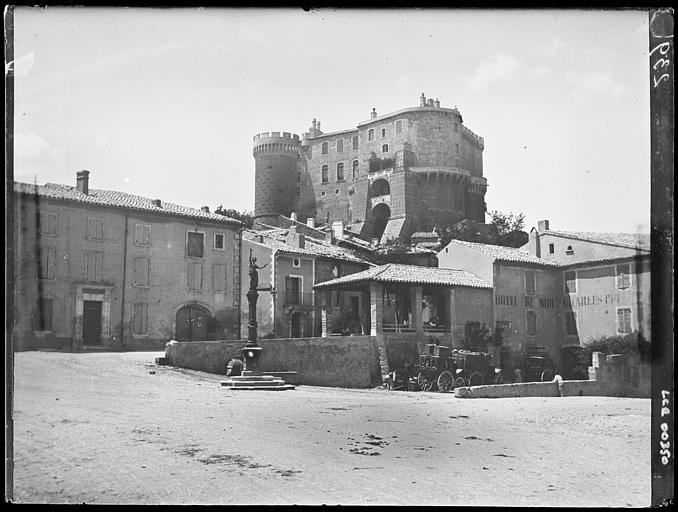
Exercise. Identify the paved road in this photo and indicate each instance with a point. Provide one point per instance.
(113, 428)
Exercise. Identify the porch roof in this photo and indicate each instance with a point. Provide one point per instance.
(409, 274)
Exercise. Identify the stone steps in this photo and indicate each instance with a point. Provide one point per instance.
(256, 382)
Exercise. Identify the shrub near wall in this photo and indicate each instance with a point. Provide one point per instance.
(336, 361)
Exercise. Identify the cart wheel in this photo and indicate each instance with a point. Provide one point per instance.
(445, 382)
(475, 379)
(546, 376)
(425, 383)
(459, 382)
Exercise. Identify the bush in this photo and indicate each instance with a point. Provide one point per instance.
(631, 343)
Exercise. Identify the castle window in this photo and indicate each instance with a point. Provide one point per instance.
(370, 134)
(355, 169)
(383, 132)
(325, 174)
(340, 172)
(355, 142)
(324, 148)
(399, 127)
(340, 146)
(384, 148)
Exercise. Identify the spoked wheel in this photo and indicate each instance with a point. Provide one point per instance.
(546, 376)
(445, 382)
(475, 379)
(425, 381)
(459, 382)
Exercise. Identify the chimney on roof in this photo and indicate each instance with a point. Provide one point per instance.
(82, 181)
(205, 209)
(310, 222)
(542, 225)
(429, 102)
(373, 114)
(157, 203)
(338, 229)
(436, 103)
(329, 236)
(293, 216)
(422, 100)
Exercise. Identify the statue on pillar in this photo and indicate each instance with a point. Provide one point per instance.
(254, 276)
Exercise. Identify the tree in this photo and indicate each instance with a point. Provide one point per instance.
(507, 222)
(246, 217)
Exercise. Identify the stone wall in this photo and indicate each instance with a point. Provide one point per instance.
(341, 361)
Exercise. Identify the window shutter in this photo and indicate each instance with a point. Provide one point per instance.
(195, 276)
(141, 271)
(219, 277)
(140, 317)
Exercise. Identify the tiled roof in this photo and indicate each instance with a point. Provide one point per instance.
(116, 199)
(632, 240)
(275, 239)
(608, 260)
(424, 234)
(505, 254)
(410, 274)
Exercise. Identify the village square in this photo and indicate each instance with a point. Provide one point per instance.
(373, 331)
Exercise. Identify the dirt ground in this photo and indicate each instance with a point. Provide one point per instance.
(115, 428)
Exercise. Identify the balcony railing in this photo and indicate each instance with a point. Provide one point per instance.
(292, 298)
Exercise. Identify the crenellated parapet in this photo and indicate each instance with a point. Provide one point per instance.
(276, 142)
(478, 184)
(471, 137)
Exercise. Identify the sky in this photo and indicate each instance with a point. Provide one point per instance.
(164, 103)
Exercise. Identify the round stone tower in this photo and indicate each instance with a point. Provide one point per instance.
(276, 178)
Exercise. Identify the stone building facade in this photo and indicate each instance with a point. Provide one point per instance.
(390, 176)
(101, 268)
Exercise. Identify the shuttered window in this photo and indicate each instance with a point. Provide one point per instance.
(531, 317)
(95, 229)
(141, 271)
(194, 276)
(195, 244)
(140, 317)
(47, 269)
(623, 276)
(142, 234)
(624, 320)
(94, 265)
(340, 146)
(48, 223)
(45, 314)
(219, 277)
(530, 282)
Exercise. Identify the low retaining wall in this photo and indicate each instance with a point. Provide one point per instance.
(509, 390)
(341, 361)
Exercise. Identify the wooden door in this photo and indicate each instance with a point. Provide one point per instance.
(191, 323)
(91, 322)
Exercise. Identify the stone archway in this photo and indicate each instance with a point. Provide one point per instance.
(380, 187)
(192, 323)
(380, 215)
